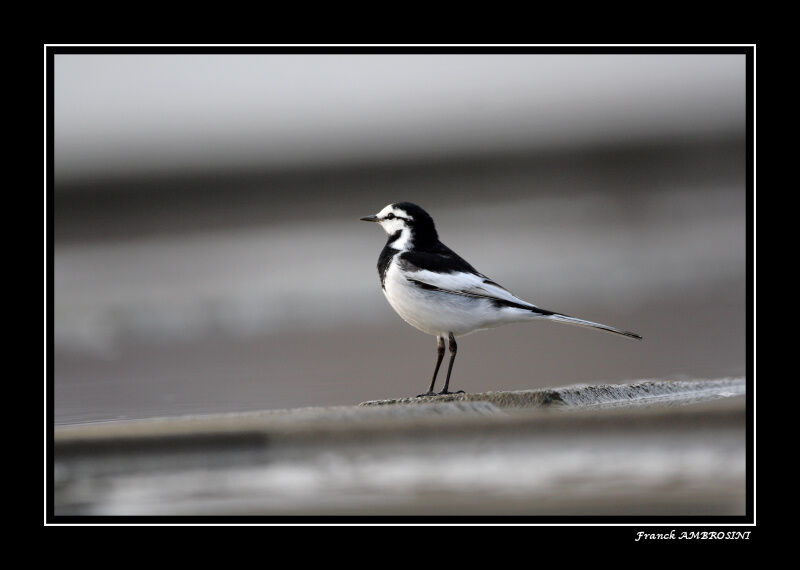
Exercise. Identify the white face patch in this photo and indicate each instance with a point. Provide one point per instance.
(391, 220)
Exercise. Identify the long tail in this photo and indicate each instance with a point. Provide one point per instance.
(580, 322)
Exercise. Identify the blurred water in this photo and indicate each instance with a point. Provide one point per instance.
(556, 252)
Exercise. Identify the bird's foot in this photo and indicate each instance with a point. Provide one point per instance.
(442, 393)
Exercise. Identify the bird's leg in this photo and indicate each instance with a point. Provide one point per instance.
(439, 356)
(453, 350)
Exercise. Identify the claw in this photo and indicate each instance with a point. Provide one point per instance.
(427, 394)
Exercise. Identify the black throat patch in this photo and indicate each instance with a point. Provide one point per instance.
(385, 258)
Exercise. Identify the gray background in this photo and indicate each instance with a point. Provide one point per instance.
(208, 255)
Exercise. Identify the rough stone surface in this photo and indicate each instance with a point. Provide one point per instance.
(651, 392)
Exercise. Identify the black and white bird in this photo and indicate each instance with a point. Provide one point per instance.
(436, 291)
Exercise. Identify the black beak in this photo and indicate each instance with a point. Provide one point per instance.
(369, 219)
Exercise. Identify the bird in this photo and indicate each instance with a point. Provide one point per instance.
(439, 293)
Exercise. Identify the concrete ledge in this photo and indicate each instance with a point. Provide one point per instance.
(338, 418)
(651, 392)
(495, 453)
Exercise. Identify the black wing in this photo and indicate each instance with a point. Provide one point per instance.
(442, 259)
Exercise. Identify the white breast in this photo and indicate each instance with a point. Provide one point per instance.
(438, 313)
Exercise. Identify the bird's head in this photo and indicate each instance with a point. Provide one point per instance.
(407, 224)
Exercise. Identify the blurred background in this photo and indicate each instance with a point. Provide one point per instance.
(208, 255)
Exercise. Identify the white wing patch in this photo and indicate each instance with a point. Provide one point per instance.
(468, 284)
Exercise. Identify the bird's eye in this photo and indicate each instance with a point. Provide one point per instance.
(389, 216)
